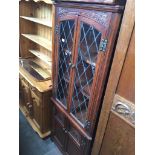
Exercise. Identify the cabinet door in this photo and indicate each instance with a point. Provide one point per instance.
(76, 143)
(37, 110)
(27, 100)
(60, 129)
(64, 44)
(21, 93)
(88, 62)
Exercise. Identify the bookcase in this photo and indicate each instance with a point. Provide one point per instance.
(35, 49)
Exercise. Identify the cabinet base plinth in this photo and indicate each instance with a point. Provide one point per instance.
(32, 123)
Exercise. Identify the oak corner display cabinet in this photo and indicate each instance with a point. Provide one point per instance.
(84, 36)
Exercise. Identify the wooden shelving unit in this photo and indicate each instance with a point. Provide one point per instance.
(36, 31)
(42, 21)
(39, 40)
(35, 47)
(42, 56)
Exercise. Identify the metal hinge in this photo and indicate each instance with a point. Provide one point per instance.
(103, 45)
(87, 124)
(57, 29)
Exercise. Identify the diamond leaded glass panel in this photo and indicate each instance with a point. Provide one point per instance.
(85, 68)
(64, 57)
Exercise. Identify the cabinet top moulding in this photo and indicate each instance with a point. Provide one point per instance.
(44, 22)
(46, 1)
(39, 40)
(88, 6)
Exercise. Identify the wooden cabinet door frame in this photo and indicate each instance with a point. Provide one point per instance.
(37, 109)
(99, 63)
(62, 127)
(56, 57)
(106, 27)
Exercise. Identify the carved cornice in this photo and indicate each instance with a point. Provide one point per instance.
(67, 11)
(100, 17)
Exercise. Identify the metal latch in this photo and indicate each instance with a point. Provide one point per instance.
(103, 45)
(87, 124)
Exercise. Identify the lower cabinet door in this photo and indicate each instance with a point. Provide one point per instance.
(21, 93)
(37, 111)
(59, 134)
(26, 97)
(68, 138)
(25, 90)
(76, 143)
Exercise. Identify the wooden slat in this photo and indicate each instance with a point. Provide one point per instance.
(41, 72)
(43, 65)
(45, 22)
(39, 40)
(120, 53)
(41, 56)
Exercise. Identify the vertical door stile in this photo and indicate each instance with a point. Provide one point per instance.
(66, 37)
(75, 54)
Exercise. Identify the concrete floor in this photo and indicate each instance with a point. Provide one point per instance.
(31, 144)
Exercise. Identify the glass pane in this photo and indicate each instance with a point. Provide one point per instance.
(85, 68)
(75, 135)
(65, 54)
(60, 117)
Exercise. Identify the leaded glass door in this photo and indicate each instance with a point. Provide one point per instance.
(65, 51)
(87, 58)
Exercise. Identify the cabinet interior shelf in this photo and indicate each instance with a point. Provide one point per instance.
(39, 40)
(41, 56)
(45, 22)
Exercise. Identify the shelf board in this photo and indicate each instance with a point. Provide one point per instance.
(45, 67)
(46, 1)
(38, 20)
(39, 40)
(41, 56)
(41, 72)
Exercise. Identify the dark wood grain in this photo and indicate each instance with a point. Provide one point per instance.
(105, 19)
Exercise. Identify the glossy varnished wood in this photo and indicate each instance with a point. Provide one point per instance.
(108, 27)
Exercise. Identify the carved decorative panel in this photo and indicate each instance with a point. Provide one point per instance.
(100, 17)
(124, 108)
